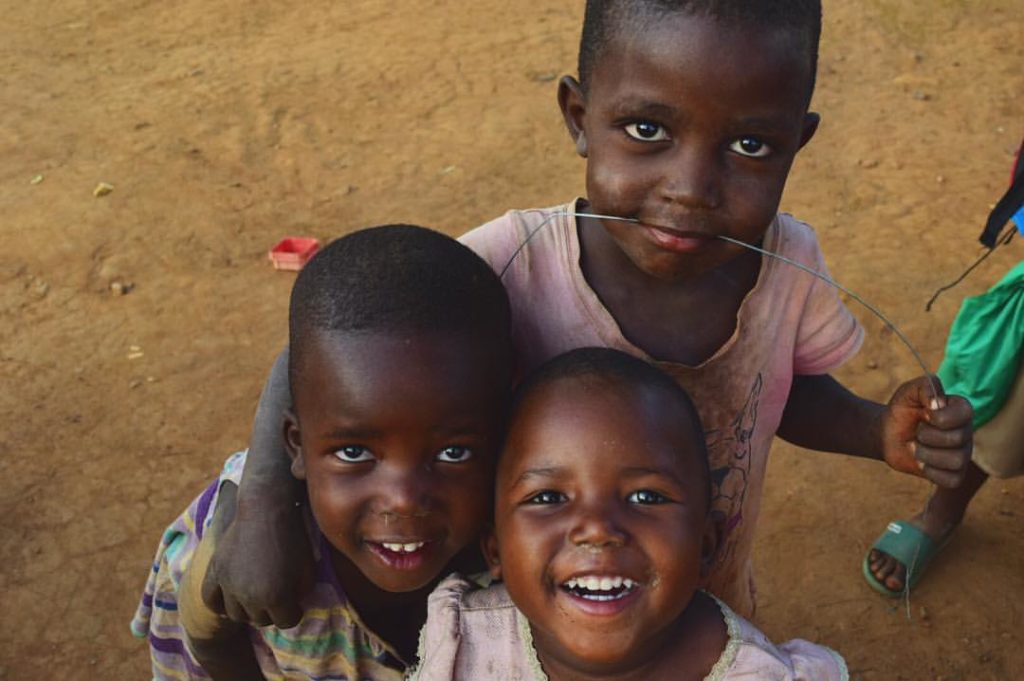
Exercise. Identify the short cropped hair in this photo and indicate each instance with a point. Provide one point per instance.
(619, 368)
(603, 19)
(396, 279)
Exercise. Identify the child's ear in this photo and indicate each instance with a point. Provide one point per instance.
(573, 104)
(714, 533)
(293, 443)
(811, 122)
(489, 546)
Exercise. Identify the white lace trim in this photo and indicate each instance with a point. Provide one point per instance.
(732, 648)
(531, 651)
(844, 672)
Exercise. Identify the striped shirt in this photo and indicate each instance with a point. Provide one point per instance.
(329, 643)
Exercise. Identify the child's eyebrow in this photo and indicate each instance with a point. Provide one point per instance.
(547, 472)
(637, 107)
(641, 471)
(771, 124)
(454, 432)
(343, 433)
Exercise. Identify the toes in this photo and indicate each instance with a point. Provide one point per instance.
(887, 570)
(878, 560)
(896, 581)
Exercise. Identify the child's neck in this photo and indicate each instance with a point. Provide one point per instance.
(649, 311)
(396, 618)
(686, 652)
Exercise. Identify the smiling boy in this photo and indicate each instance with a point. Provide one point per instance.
(400, 366)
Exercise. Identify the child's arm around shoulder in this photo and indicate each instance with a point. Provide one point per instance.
(262, 563)
(916, 432)
(221, 646)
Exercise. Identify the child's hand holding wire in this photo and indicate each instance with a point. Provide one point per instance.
(927, 434)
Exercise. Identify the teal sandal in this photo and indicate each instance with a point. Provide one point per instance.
(911, 547)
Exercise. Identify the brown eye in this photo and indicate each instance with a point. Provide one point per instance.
(646, 497)
(547, 497)
(454, 454)
(751, 147)
(353, 454)
(645, 131)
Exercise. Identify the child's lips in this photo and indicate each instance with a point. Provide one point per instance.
(679, 241)
(405, 554)
(601, 594)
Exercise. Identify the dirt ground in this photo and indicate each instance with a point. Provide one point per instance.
(223, 126)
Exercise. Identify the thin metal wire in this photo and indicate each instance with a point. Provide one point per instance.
(828, 280)
(831, 282)
(554, 214)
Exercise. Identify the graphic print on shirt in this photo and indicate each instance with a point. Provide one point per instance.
(729, 451)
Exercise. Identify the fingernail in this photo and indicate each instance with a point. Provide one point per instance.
(934, 404)
(920, 465)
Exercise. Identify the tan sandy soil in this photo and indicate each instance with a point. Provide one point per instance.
(225, 125)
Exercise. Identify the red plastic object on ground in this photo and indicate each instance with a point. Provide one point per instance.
(292, 252)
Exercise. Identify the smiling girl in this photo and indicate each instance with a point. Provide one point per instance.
(602, 536)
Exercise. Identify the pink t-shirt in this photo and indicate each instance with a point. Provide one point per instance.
(790, 323)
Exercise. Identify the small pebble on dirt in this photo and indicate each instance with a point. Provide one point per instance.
(135, 384)
(36, 180)
(941, 179)
(872, 364)
(102, 189)
(921, 95)
(121, 288)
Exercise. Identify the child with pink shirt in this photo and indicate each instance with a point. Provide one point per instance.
(689, 114)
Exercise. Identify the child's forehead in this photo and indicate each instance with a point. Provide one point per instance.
(668, 37)
(394, 358)
(621, 414)
(398, 344)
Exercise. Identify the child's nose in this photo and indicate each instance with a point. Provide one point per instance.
(691, 178)
(404, 496)
(596, 530)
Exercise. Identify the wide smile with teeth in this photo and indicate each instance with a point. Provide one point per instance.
(600, 588)
(409, 547)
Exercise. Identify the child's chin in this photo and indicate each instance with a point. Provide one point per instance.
(600, 654)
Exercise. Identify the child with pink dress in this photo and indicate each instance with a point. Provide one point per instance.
(602, 535)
